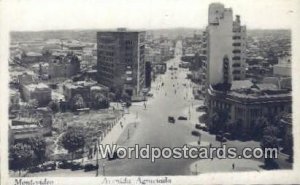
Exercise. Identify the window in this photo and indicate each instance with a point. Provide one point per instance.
(236, 51)
(236, 58)
(236, 37)
(236, 65)
(236, 44)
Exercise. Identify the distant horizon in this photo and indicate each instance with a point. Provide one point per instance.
(138, 29)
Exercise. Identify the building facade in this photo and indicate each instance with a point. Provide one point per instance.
(40, 92)
(226, 47)
(246, 105)
(121, 60)
(64, 67)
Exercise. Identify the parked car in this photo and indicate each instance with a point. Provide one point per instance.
(182, 118)
(76, 166)
(196, 133)
(35, 169)
(171, 119)
(201, 108)
(228, 135)
(64, 164)
(221, 138)
(198, 126)
(204, 127)
(150, 95)
(50, 165)
(90, 167)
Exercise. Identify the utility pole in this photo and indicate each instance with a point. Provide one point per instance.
(97, 158)
(103, 168)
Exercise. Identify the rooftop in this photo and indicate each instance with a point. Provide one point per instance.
(40, 86)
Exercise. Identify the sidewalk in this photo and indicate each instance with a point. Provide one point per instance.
(113, 135)
(224, 165)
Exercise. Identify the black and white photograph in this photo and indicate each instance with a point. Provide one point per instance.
(148, 89)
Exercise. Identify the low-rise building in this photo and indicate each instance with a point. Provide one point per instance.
(284, 67)
(65, 67)
(40, 92)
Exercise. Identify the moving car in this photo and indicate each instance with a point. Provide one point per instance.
(201, 126)
(182, 118)
(171, 119)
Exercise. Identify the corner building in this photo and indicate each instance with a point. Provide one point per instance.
(120, 62)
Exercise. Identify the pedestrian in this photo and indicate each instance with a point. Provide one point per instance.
(233, 166)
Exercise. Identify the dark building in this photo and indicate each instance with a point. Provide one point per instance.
(148, 70)
(120, 61)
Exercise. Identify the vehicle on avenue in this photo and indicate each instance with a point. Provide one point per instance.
(220, 138)
(49, 165)
(76, 166)
(64, 164)
(196, 133)
(182, 118)
(171, 119)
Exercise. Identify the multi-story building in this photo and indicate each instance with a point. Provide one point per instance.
(120, 62)
(64, 67)
(284, 67)
(225, 45)
(40, 92)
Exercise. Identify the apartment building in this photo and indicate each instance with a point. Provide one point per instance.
(121, 60)
(226, 45)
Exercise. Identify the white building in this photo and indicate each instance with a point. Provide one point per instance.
(226, 45)
(283, 68)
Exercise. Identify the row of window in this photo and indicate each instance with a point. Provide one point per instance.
(107, 59)
(106, 46)
(107, 53)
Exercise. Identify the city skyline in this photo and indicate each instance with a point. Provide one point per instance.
(168, 14)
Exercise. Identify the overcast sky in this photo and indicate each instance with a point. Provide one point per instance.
(97, 14)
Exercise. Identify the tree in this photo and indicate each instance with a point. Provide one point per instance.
(38, 145)
(20, 157)
(73, 140)
(54, 106)
(270, 131)
(259, 126)
(100, 101)
(33, 103)
(288, 146)
(269, 140)
(219, 120)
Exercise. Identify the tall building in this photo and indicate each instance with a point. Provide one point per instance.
(120, 61)
(226, 45)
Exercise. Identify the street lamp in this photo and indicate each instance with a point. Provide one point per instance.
(103, 168)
